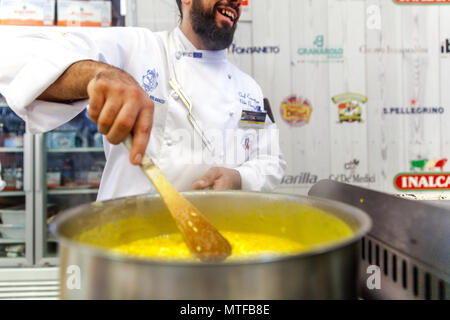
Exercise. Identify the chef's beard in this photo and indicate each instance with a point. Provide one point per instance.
(204, 24)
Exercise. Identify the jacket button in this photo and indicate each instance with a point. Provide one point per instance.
(175, 95)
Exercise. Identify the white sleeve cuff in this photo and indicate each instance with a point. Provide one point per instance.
(249, 179)
(33, 79)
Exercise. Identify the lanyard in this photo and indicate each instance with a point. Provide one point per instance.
(181, 94)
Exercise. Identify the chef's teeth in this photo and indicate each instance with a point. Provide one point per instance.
(227, 13)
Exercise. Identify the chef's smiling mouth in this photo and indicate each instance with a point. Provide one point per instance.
(228, 12)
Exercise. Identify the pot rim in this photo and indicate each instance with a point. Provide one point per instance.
(316, 250)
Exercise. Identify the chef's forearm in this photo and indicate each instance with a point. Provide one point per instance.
(72, 84)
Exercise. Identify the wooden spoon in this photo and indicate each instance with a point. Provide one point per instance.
(202, 238)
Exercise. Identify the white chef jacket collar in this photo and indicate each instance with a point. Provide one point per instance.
(187, 45)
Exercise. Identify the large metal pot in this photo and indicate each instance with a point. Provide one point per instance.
(329, 271)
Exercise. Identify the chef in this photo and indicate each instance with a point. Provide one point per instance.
(200, 118)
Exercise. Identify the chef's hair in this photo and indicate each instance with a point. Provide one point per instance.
(179, 7)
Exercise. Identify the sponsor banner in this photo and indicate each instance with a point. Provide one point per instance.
(235, 49)
(350, 175)
(422, 182)
(246, 11)
(84, 14)
(413, 110)
(353, 178)
(445, 49)
(422, 176)
(302, 179)
(349, 106)
(27, 13)
(421, 1)
(320, 53)
(364, 49)
(296, 111)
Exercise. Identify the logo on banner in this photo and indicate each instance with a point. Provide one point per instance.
(296, 111)
(424, 175)
(351, 165)
(391, 50)
(350, 175)
(235, 49)
(349, 106)
(445, 48)
(373, 17)
(319, 50)
(414, 109)
(421, 1)
(300, 179)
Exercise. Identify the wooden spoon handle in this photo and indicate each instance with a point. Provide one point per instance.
(202, 238)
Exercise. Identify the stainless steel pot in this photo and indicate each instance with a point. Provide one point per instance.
(329, 271)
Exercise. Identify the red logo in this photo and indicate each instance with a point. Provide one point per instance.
(420, 180)
(296, 111)
(421, 1)
(247, 143)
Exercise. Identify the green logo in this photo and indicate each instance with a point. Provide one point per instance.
(319, 41)
(319, 49)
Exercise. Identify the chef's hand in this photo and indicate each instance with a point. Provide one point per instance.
(119, 105)
(117, 102)
(219, 179)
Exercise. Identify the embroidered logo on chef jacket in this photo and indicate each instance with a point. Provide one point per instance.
(150, 80)
(150, 83)
(195, 55)
(247, 144)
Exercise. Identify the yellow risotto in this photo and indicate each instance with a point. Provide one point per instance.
(283, 230)
(244, 246)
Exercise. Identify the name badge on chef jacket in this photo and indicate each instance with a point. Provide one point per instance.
(252, 119)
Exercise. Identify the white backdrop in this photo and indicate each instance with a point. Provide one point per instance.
(318, 49)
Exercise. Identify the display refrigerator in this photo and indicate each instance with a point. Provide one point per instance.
(69, 162)
(42, 175)
(16, 190)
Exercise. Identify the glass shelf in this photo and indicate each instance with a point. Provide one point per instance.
(74, 150)
(11, 241)
(11, 150)
(12, 193)
(72, 191)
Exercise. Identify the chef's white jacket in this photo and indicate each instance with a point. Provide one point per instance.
(31, 59)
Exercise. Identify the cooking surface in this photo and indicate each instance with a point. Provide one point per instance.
(408, 241)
